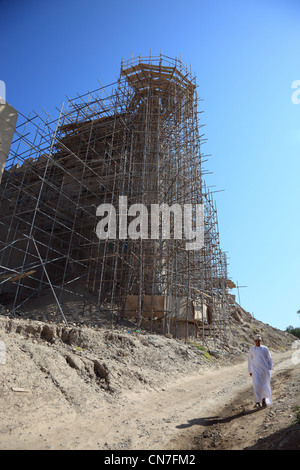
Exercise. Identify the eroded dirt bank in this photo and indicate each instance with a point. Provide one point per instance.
(84, 388)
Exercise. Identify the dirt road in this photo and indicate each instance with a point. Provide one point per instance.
(210, 410)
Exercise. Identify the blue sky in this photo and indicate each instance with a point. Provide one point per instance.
(246, 55)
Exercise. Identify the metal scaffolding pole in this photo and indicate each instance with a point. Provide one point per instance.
(137, 138)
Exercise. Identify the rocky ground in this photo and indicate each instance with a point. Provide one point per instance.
(98, 387)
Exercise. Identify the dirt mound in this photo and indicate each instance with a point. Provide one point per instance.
(235, 339)
(242, 327)
(81, 360)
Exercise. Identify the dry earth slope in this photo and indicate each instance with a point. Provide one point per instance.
(101, 388)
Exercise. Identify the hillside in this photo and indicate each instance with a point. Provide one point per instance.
(61, 380)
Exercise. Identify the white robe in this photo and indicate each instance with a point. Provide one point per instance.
(259, 365)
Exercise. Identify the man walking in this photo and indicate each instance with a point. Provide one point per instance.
(259, 367)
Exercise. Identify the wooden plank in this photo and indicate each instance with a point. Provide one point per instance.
(18, 276)
(20, 390)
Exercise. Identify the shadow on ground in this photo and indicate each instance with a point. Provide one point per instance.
(285, 439)
(212, 420)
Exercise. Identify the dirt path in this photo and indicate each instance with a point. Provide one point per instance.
(213, 409)
(233, 424)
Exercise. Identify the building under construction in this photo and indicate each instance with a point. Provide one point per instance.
(137, 139)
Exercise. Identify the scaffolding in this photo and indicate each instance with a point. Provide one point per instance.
(136, 140)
